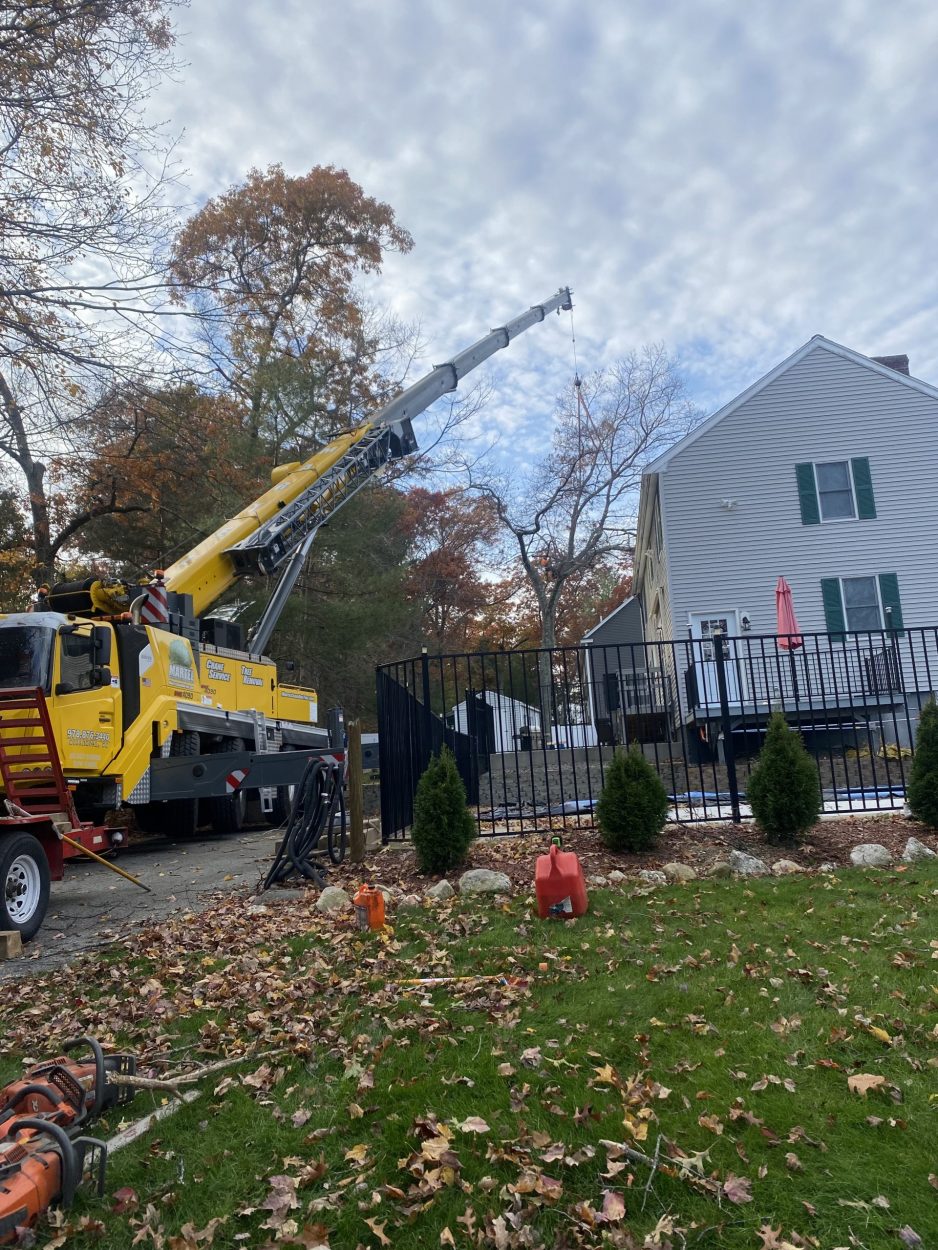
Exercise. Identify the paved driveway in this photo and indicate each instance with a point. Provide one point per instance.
(92, 906)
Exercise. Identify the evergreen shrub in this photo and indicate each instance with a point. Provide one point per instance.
(633, 805)
(443, 826)
(783, 790)
(923, 779)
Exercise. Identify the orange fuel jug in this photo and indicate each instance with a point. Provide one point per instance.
(559, 885)
(369, 908)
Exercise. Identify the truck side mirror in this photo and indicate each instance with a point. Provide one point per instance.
(102, 644)
(102, 675)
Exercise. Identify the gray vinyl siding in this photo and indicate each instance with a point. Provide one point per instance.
(824, 407)
(615, 646)
(656, 596)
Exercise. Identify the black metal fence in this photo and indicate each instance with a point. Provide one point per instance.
(534, 731)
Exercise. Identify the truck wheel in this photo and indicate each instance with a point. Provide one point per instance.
(227, 813)
(182, 815)
(24, 884)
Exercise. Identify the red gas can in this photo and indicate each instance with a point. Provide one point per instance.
(559, 885)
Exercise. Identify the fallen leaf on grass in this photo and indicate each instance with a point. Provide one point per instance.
(793, 1163)
(711, 1122)
(473, 1124)
(910, 1237)
(864, 1082)
(124, 1200)
(447, 1238)
(378, 1227)
(613, 1206)
(737, 1189)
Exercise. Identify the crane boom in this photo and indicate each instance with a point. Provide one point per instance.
(278, 528)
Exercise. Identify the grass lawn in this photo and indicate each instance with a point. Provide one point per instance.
(713, 1028)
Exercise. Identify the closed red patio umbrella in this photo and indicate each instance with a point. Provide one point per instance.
(789, 633)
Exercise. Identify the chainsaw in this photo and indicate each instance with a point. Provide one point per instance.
(43, 1152)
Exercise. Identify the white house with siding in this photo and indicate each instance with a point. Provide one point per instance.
(822, 472)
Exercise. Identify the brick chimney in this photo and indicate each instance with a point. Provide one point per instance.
(899, 363)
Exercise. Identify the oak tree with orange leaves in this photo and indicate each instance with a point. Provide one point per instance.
(272, 267)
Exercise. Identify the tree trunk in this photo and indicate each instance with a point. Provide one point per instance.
(43, 566)
(34, 472)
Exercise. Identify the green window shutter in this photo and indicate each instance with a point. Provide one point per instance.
(833, 605)
(863, 488)
(889, 593)
(807, 494)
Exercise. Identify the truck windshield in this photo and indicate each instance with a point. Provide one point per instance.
(25, 656)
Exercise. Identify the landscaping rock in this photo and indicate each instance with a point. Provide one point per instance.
(870, 855)
(915, 850)
(408, 902)
(333, 898)
(720, 868)
(598, 882)
(827, 868)
(679, 872)
(484, 881)
(748, 865)
(784, 867)
(651, 876)
(616, 877)
(441, 891)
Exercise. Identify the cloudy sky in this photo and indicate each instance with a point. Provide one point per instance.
(727, 178)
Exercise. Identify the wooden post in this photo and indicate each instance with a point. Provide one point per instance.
(356, 819)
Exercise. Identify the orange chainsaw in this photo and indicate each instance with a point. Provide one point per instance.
(43, 1154)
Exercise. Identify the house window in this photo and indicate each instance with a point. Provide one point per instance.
(862, 609)
(862, 603)
(835, 490)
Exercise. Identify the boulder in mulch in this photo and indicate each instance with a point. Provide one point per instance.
(333, 898)
(484, 881)
(679, 872)
(870, 855)
(651, 876)
(748, 865)
(441, 891)
(784, 867)
(915, 851)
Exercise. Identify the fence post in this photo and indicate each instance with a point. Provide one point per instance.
(729, 753)
(426, 726)
(355, 797)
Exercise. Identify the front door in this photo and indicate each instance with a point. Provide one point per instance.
(704, 626)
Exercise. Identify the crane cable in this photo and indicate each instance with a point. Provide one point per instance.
(577, 380)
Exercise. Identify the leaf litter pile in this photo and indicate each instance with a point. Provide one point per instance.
(717, 1064)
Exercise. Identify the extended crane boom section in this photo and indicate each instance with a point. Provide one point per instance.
(265, 535)
(267, 549)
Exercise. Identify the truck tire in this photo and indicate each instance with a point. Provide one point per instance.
(227, 813)
(182, 815)
(24, 884)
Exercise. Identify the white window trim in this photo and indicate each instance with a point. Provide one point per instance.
(879, 601)
(835, 520)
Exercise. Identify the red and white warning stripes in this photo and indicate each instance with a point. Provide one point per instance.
(234, 779)
(155, 609)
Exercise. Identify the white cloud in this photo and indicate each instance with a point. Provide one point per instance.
(727, 179)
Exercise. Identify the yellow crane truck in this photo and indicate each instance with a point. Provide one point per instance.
(117, 695)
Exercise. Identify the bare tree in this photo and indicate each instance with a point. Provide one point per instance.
(575, 509)
(82, 217)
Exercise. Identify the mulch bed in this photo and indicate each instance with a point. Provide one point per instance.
(830, 841)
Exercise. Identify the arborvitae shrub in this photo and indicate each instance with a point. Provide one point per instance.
(633, 805)
(443, 826)
(923, 779)
(783, 789)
